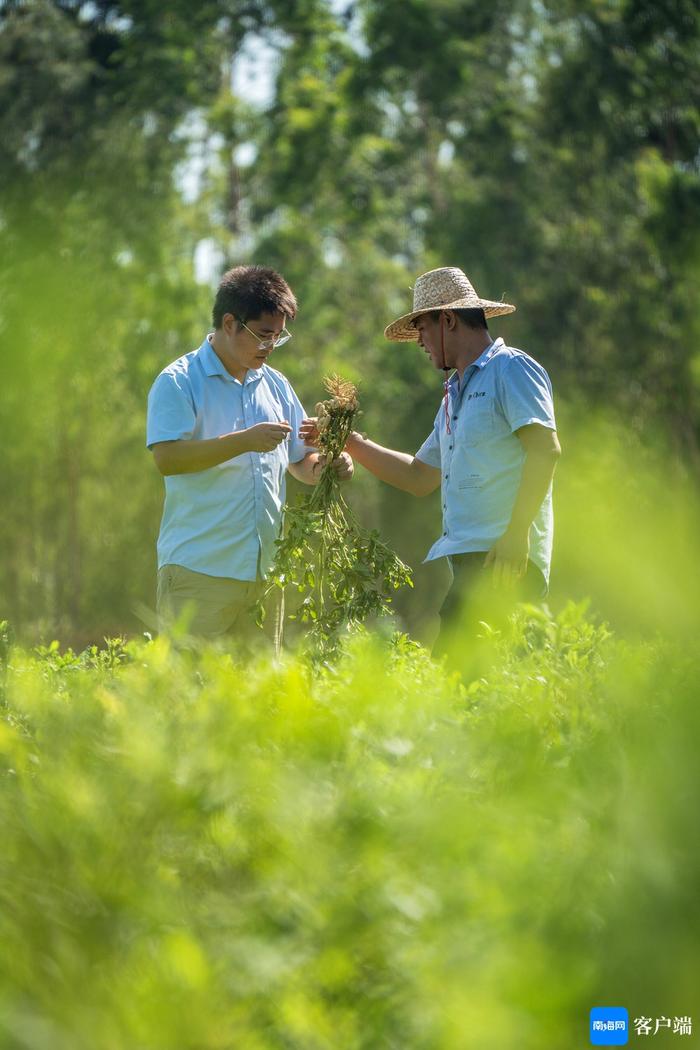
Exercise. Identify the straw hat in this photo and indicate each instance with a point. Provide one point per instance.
(445, 289)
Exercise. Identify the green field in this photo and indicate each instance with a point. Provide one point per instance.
(199, 853)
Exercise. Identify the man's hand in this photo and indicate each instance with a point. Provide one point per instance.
(264, 437)
(343, 466)
(308, 431)
(508, 556)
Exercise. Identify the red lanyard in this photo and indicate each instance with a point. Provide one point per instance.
(445, 370)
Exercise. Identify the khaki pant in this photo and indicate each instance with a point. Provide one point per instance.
(215, 607)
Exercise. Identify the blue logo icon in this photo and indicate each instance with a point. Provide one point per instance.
(609, 1026)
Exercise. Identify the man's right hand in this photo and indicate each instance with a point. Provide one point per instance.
(264, 437)
(308, 431)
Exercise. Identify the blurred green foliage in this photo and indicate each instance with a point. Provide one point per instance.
(201, 853)
(548, 148)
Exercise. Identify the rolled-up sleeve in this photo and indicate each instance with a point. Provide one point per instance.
(526, 394)
(171, 413)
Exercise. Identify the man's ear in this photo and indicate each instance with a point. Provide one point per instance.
(450, 319)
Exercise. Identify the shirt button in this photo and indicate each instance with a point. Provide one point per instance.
(450, 446)
(454, 417)
(444, 533)
(446, 476)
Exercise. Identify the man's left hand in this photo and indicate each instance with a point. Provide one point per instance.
(343, 466)
(508, 557)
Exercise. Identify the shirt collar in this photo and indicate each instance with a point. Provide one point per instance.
(483, 359)
(214, 366)
(488, 353)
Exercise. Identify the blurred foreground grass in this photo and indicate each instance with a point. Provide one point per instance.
(204, 854)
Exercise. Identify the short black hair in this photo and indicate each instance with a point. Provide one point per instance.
(472, 317)
(249, 291)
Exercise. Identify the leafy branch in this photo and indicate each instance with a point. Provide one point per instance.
(344, 571)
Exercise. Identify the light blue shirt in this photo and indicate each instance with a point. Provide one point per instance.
(223, 521)
(481, 460)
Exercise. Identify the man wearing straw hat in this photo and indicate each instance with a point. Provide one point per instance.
(493, 447)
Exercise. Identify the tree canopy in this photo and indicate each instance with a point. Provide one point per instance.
(550, 149)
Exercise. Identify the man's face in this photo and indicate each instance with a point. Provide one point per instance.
(244, 341)
(428, 329)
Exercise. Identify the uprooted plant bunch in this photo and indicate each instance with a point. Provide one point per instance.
(345, 572)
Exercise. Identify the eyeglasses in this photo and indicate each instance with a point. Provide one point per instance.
(274, 340)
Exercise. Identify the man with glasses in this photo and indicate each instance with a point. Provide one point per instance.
(223, 428)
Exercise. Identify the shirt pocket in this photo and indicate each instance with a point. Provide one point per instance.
(268, 406)
(478, 422)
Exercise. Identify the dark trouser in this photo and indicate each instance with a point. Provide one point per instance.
(467, 601)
